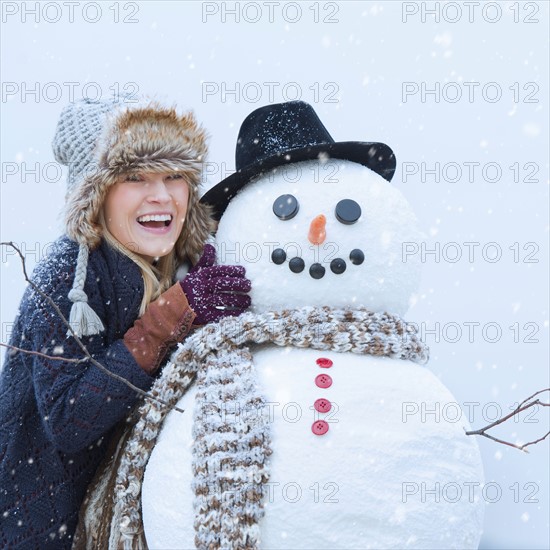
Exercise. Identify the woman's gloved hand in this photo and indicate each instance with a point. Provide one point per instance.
(165, 322)
(215, 291)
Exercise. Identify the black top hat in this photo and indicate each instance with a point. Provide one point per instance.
(284, 133)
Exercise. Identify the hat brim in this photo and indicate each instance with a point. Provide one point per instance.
(376, 156)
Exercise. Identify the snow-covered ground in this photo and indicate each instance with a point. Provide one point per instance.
(463, 92)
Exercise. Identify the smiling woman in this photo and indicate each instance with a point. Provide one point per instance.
(132, 218)
(146, 212)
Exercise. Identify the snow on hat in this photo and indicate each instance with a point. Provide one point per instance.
(99, 140)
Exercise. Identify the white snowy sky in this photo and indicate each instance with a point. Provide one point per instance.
(352, 62)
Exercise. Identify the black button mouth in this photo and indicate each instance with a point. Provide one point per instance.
(317, 270)
(296, 265)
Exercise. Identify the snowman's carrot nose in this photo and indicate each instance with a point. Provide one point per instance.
(317, 233)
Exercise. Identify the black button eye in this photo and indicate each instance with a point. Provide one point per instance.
(285, 207)
(347, 211)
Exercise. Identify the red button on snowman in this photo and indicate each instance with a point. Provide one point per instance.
(320, 427)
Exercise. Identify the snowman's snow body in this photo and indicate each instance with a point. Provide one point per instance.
(387, 473)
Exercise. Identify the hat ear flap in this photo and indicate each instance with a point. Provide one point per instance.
(82, 208)
(198, 226)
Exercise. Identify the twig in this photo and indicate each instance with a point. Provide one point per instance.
(77, 339)
(536, 441)
(523, 406)
(531, 397)
(40, 354)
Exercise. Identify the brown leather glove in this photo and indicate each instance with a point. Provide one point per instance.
(165, 322)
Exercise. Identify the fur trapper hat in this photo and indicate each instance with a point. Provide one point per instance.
(99, 141)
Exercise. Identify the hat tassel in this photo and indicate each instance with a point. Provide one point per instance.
(83, 319)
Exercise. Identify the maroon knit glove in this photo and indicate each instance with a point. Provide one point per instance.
(215, 291)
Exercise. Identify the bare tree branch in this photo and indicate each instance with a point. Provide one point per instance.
(531, 397)
(523, 406)
(536, 441)
(77, 339)
(40, 354)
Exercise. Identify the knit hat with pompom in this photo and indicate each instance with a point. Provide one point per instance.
(99, 141)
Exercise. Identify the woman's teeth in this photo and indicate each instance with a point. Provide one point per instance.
(155, 218)
(155, 221)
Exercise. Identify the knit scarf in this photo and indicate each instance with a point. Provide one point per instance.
(230, 459)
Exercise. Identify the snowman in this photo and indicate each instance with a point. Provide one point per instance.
(313, 422)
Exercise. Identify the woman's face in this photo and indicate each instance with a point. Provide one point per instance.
(145, 212)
